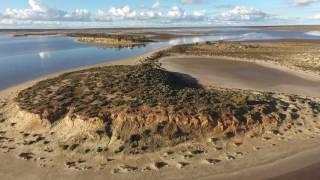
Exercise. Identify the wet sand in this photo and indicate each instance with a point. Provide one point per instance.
(310, 172)
(232, 73)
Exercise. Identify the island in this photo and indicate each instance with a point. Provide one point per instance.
(111, 40)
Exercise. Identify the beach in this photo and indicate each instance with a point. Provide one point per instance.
(289, 166)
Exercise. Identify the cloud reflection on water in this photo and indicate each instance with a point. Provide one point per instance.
(313, 33)
(44, 55)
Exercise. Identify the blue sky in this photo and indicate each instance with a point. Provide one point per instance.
(155, 13)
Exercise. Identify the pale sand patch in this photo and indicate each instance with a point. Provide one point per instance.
(259, 165)
(243, 74)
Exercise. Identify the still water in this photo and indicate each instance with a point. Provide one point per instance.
(27, 58)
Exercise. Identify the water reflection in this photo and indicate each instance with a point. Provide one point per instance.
(189, 40)
(174, 42)
(44, 55)
(197, 39)
(313, 33)
(121, 47)
(254, 36)
(19, 57)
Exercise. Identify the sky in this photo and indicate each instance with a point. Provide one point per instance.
(155, 13)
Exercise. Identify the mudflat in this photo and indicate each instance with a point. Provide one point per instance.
(293, 28)
(232, 73)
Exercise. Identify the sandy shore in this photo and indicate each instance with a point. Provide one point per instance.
(267, 157)
(290, 157)
(244, 74)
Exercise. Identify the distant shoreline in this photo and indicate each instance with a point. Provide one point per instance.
(152, 28)
(155, 33)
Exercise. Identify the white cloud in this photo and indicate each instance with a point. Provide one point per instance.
(176, 12)
(150, 15)
(124, 12)
(37, 5)
(316, 17)
(241, 13)
(304, 2)
(28, 23)
(78, 15)
(199, 13)
(156, 5)
(40, 12)
(191, 1)
(7, 21)
(102, 16)
(172, 15)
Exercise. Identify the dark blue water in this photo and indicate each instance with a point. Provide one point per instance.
(27, 58)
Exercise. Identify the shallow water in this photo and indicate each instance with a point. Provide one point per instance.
(26, 58)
